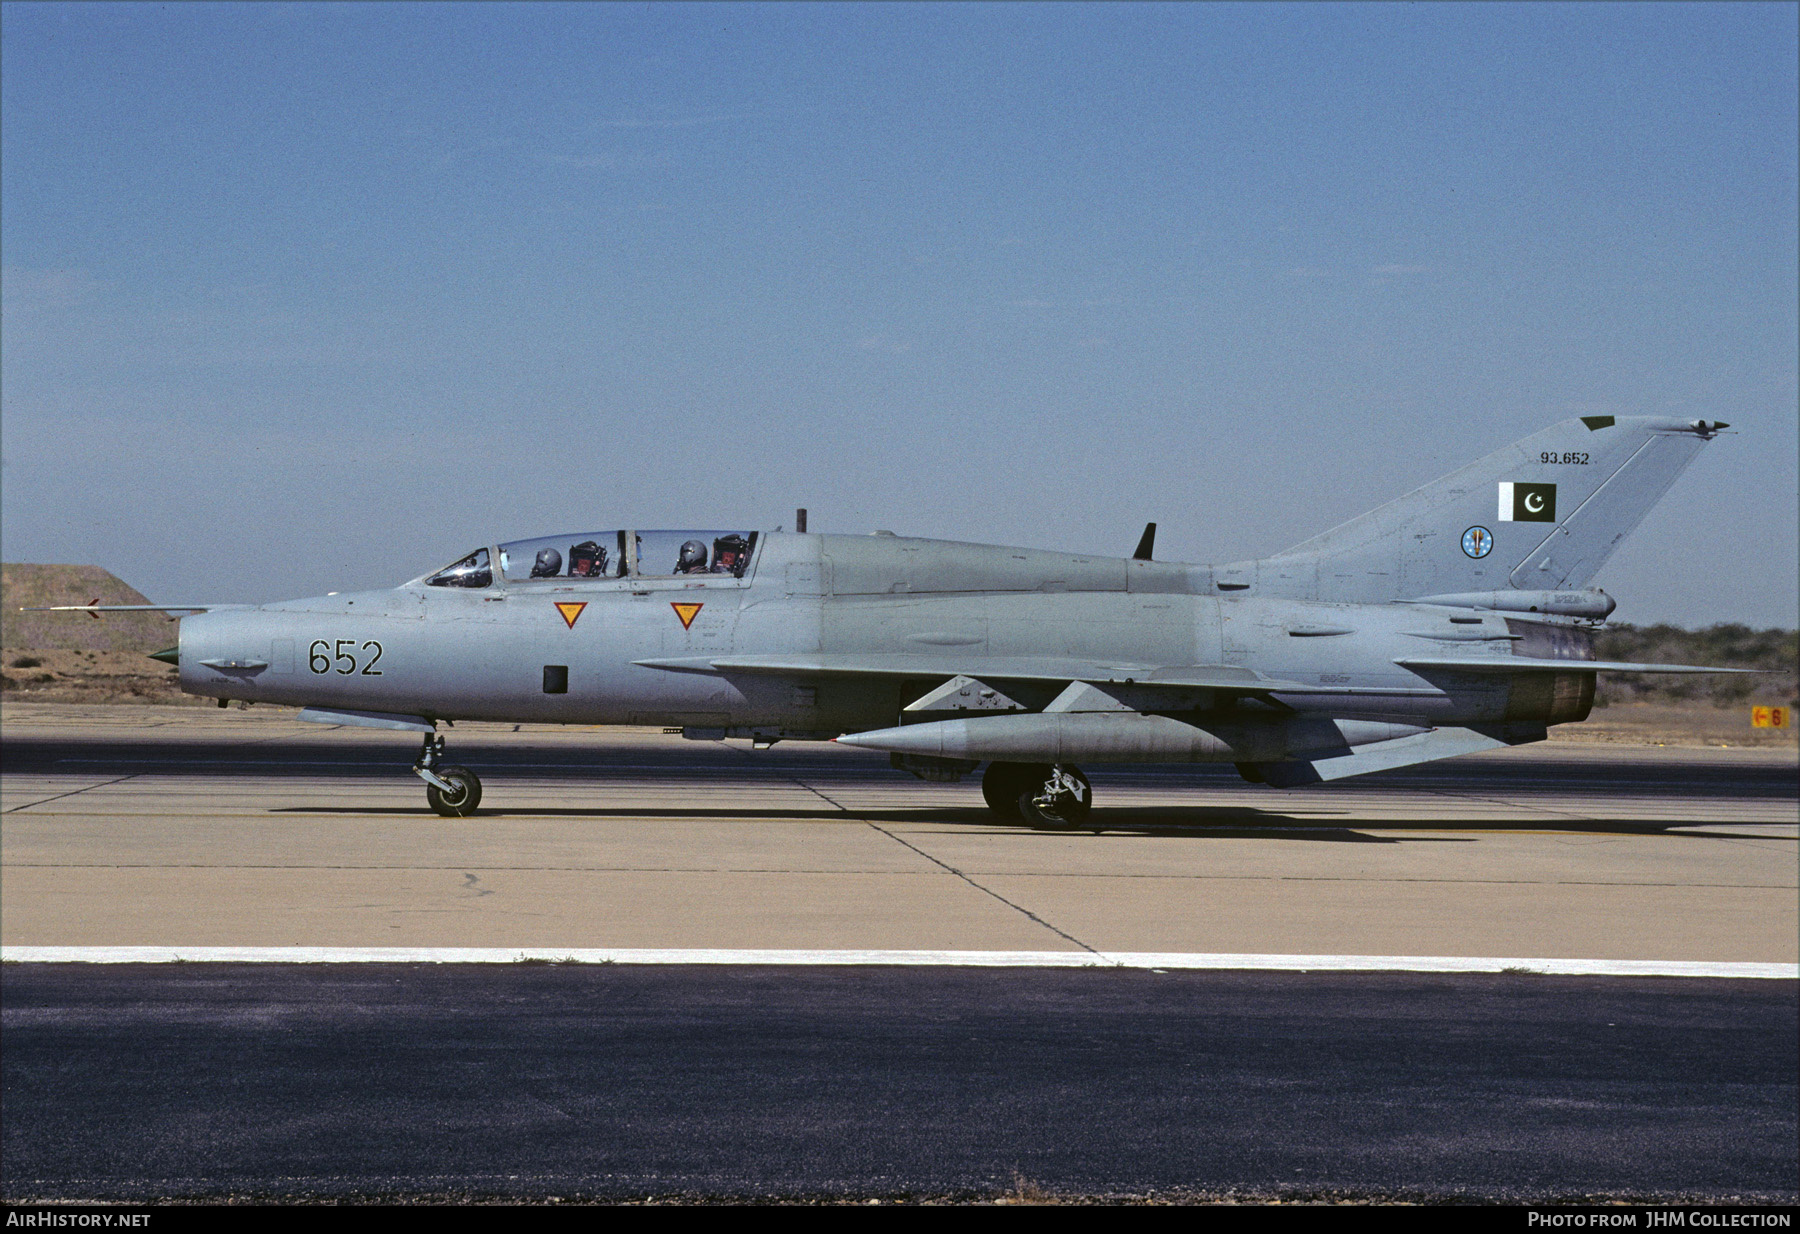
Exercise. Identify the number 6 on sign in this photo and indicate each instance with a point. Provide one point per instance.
(1770, 717)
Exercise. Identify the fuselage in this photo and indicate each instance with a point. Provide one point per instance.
(572, 650)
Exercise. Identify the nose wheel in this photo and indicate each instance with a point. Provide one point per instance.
(453, 792)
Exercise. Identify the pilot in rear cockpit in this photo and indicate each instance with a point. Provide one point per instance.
(548, 564)
(692, 559)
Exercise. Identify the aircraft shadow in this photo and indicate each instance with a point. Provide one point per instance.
(1170, 822)
(1226, 823)
(1191, 822)
(1276, 828)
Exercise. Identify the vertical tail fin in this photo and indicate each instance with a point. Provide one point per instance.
(1542, 514)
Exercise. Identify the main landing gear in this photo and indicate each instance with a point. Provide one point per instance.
(453, 792)
(1041, 794)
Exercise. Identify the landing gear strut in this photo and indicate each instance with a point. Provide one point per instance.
(453, 792)
(1040, 794)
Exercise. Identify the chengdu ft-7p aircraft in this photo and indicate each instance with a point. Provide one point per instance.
(1454, 619)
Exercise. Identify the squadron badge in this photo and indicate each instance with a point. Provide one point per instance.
(1478, 542)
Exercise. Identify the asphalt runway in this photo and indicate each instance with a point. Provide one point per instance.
(182, 828)
(458, 1082)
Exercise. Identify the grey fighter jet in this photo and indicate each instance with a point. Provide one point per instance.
(1454, 619)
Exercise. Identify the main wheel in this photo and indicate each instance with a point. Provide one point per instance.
(1067, 805)
(461, 803)
(1002, 783)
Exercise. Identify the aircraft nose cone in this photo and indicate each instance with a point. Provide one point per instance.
(168, 655)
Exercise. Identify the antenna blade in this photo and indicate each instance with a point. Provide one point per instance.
(1146, 543)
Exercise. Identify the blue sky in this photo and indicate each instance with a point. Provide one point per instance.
(311, 297)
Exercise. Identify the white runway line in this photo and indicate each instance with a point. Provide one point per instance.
(951, 959)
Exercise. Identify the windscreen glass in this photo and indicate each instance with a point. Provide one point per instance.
(471, 571)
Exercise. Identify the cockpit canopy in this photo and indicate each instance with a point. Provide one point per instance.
(605, 554)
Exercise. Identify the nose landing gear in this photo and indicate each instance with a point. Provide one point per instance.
(453, 792)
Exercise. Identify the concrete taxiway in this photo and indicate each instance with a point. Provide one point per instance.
(165, 833)
(183, 827)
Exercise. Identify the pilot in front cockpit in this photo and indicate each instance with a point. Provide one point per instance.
(547, 565)
(692, 559)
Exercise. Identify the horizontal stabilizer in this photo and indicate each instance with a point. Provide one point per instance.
(1401, 752)
(1520, 664)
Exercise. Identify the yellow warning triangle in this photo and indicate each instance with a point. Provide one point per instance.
(687, 610)
(570, 610)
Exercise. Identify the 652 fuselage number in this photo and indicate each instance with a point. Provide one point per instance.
(1573, 456)
(341, 656)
